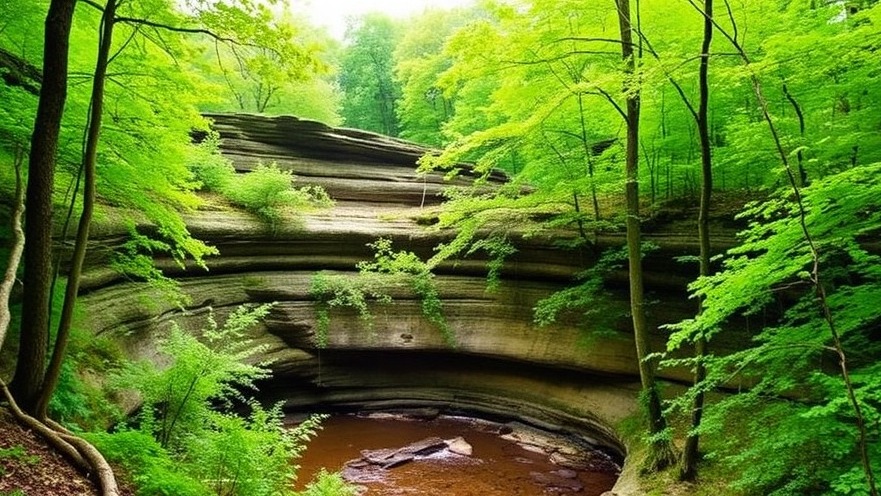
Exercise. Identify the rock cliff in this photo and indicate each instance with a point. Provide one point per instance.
(566, 377)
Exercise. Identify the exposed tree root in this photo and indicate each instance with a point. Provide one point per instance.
(79, 451)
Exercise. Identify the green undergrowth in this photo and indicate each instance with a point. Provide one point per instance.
(715, 477)
(748, 448)
(199, 431)
(266, 191)
(372, 285)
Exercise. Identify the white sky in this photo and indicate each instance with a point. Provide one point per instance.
(333, 13)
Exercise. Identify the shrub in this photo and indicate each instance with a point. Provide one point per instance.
(178, 399)
(213, 171)
(267, 191)
(328, 484)
(182, 444)
(250, 456)
(151, 467)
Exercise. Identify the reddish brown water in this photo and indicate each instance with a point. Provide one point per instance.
(497, 467)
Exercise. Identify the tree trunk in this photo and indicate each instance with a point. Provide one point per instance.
(82, 236)
(690, 453)
(15, 250)
(660, 450)
(588, 159)
(38, 219)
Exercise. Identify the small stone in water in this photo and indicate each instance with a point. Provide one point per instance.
(459, 446)
(565, 473)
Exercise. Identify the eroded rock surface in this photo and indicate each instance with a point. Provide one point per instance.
(577, 376)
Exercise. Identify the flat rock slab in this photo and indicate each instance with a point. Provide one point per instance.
(390, 457)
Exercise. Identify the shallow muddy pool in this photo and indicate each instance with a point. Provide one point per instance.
(497, 466)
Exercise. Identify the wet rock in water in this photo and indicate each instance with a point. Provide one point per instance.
(425, 447)
(554, 481)
(378, 456)
(364, 474)
(398, 460)
(533, 448)
(390, 457)
(459, 446)
(530, 439)
(565, 473)
(572, 461)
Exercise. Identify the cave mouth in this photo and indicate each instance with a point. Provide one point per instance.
(412, 388)
(426, 451)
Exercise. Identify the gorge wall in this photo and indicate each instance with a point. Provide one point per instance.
(565, 377)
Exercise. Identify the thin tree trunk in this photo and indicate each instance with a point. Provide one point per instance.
(29, 373)
(661, 453)
(82, 236)
(690, 453)
(15, 250)
(802, 174)
(588, 159)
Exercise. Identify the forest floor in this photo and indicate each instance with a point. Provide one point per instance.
(30, 467)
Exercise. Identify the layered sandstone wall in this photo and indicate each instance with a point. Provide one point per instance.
(578, 376)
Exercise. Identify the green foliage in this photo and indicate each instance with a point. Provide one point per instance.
(407, 265)
(177, 400)
(388, 269)
(135, 260)
(366, 78)
(184, 445)
(152, 468)
(328, 484)
(267, 192)
(812, 443)
(251, 456)
(285, 70)
(343, 291)
(213, 171)
(423, 108)
(582, 297)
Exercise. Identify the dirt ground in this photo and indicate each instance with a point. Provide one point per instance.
(29, 467)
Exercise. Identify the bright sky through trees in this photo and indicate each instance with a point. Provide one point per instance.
(333, 13)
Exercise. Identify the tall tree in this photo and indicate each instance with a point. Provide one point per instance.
(815, 275)
(424, 107)
(661, 452)
(367, 78)
(90, 159)
(29, 372)
(15, 251)
(688, 467)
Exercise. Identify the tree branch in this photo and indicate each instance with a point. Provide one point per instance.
(145, 22)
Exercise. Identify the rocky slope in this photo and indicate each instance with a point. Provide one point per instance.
(565, 377)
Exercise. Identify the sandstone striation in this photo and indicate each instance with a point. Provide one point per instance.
(577, 377)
